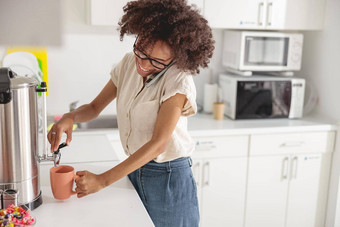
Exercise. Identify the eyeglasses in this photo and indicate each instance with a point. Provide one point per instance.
(140, 54)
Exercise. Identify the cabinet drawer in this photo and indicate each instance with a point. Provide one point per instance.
(283, 143)
(221, 146)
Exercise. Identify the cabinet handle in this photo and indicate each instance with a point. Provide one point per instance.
(293, 169)
(196, 169)
(292, 144)
(284, 169)
(269, 13)
(206, 174)
(259, 14)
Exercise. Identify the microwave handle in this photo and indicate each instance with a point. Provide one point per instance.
(260, 14)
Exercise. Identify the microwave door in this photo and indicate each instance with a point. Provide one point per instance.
(258, 105)
(266, 51)
(253, 101)
(266, 99)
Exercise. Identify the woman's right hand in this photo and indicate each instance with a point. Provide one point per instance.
(65, 124)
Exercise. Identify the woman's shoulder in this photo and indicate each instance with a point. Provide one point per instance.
(176, 75)
(128, 58)
(124, 68)
(177, 80)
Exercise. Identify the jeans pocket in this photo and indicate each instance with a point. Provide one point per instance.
(185, 186)
(153, 184)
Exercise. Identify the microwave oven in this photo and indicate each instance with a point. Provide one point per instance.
(260, 97)
(262, 51)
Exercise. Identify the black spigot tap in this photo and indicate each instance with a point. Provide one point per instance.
(57, 154)
(6, 74)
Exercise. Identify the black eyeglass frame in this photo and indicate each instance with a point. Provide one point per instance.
(148, 58)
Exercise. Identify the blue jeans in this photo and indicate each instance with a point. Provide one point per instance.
(168, 192)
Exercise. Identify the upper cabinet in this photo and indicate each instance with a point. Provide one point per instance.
(108, 12)
(104, 12)
(265, 14)
(232, 14)
(198, 3)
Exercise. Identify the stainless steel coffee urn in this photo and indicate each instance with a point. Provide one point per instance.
(19, 150)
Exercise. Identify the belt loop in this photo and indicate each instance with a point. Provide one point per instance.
(168, 166)
(190, 161)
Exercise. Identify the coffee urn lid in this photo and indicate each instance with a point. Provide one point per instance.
(23, 82)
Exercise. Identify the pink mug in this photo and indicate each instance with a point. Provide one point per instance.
(62, 178)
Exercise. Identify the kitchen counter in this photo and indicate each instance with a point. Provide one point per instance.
(204, 124)
(116, 205)
(119, 204)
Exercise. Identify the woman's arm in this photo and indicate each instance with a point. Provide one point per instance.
(167, 118)
(90, 111)
(85, 112)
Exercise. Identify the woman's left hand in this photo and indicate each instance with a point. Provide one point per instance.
(88, 183)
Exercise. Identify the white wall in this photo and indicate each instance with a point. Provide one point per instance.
(320, 67)
(80, 67)
(210, 75)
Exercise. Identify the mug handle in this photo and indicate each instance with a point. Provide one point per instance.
(74, 178)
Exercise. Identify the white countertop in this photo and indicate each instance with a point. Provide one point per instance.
(116, 205)
(119, 204)
(204, 124)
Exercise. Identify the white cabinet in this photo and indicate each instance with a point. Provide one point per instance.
(265, 14)
(221, 190)
(109, 12)
(198, 3)
(283, 189)
(104, 12)
(266, 193)
(288, 180)
(231, 14)
(246, 14)
(219, 168)
(306, 191)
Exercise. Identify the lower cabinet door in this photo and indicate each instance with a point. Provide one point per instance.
(267, 191)
(304, 190)
(223, 185)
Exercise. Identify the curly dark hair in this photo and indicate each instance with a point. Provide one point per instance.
(181, 26)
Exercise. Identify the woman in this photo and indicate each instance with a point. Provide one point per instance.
(155, 94)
